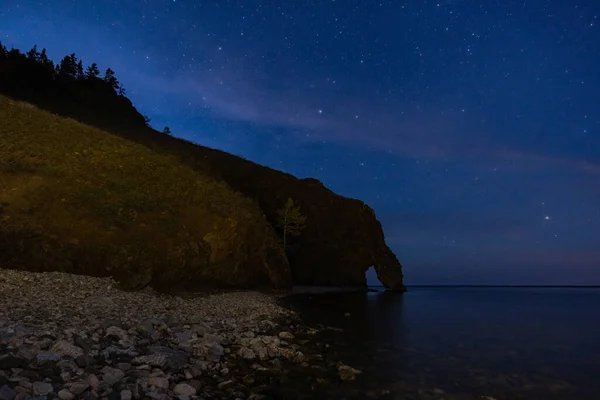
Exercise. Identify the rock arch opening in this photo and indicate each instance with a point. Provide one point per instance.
(372, 278)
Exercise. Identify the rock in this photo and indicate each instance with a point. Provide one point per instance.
(94, 382)
(146, 328)
(183, 337)
(65, 376)
(76, 387)
(155, 360)
(112, 375)
(124, 366)
(113, 361)
(67, 366)
(64, 348)
(6, 393)
(84, 361)
(117, 332)
(183, 389)
(347, 373)
(214, 352)
(42, 388)
(174, 359)
(246, 353)
(64, 394)
(225, 384)
(286, 335)
(159, 382)
(43, 356)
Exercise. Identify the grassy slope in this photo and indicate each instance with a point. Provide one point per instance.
(78, 199)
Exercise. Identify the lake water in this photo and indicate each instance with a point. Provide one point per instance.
(462, 343)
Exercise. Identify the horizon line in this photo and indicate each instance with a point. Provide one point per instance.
(496, 286)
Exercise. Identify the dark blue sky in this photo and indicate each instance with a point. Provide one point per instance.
(471, 127)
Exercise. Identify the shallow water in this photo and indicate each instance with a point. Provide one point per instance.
(461, 343)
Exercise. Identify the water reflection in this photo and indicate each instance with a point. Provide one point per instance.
(505, 343)
(358, 313)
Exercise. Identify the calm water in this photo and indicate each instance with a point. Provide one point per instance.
(509, 343)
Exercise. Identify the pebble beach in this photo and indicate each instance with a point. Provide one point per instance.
(78, 337)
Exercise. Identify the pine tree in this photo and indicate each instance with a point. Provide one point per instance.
(111, 79)
(92, 71)
(166, 130)
(121, 90)
(33, 54)
(79, 70)
(67, 69)
(290, 220)
(46, 62)
(3, 52)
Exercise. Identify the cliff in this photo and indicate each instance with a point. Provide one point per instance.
(342, 238)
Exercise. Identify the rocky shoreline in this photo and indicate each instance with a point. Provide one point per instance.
(71, 336)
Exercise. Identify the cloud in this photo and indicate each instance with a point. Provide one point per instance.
(535, 162)
(331, 114)
(326, 114)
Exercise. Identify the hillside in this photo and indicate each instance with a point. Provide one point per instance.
(77, 199)
(342, 237)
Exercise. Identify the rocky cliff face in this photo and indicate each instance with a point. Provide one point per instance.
(342, 238)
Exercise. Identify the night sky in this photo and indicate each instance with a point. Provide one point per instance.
(471, 127)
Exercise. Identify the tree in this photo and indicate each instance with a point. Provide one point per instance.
(79, 70)
(166, 130)
(67, 69)
(45, 61)
(3, 52)
(290, 220)
(92, 71)
(111, 79)
(121, 90)
(147, 120)
(33, 54)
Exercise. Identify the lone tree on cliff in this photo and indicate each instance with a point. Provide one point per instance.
(290, 220)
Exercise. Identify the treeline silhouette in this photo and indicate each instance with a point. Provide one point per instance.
(68, 88)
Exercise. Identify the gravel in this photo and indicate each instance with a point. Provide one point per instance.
(72, 336)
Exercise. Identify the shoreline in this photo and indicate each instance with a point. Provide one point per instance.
(72, 336)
